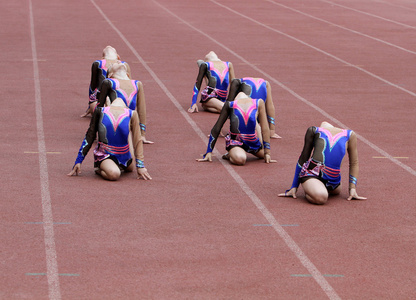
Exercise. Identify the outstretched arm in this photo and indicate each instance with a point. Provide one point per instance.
(353, 169)
(106, 90)
(86, 143)
(304, 156)
(231, 71)
(95, 75)
(234, 89)
(138, 147)
(271, 112)
(202, 71)
(141, 110)
(265, 131)
(215, 131)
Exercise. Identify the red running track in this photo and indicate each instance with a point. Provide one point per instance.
(207, 231)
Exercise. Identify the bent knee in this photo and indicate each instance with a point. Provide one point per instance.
(319, 198)
(112, 175)
(238, 160)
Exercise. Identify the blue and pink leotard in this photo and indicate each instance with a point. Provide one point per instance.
(218, 82)
(325, 161)
(113, 135)
(242, 127)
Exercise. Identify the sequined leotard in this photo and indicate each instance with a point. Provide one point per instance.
(112, 136)
(256, 88)
(129, 99)
(110, 87)
(242, 128)
(218, 82)
(99, 70)
(325, 162)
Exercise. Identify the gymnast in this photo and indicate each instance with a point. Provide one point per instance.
(218, 75)
(242, 138)
(99, 70)
(114, 124)
(319, 165)
(256, 88)
(119, 85)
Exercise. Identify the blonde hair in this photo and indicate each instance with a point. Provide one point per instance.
(211, 56)
(118, 70)
(110, 53)
(325, 124)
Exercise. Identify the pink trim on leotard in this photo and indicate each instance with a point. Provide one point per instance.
(257, 82)
(222, 74)
(333, 139)
(120, 118)
(129, 98)
(246, 115)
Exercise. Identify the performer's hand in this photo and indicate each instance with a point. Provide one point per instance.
(193, 108)
(146, 141)
(143, 174)
(289, 193)
(208, 157)
(267, 159)
(354, 195)
(75, 170)
(86, 113)
(275, 136)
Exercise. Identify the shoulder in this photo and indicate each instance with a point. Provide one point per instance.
(351, 134)
(108, 82)
(97, 112)
(133, 114)
(312, 130)
(138, 83)
(96, 64)
(204, 65)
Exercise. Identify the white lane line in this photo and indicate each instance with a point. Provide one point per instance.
(323, 283)
(368, 14)
(317, 108)
(394, 5)
(49, 240)
(342, 27)
(317, 49)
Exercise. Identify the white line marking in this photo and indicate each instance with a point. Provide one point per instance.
(368, 14)
(51, 260)
(398, 157)
(342, 27)
(36, 152)
(391, 4)
(317, 108)
(266, 213)
(317, 49)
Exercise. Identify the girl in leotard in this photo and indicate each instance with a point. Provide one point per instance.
(99, 70)
(218, 75)
(119, 85)
(114, 124)
(319, 165)
(256, 88)
(243, 113)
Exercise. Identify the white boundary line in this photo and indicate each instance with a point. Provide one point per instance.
(342, 27)
(317, 108)
(368, 14)
(390, 4)
(51, 259)
(323, 283)
(317, 49)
